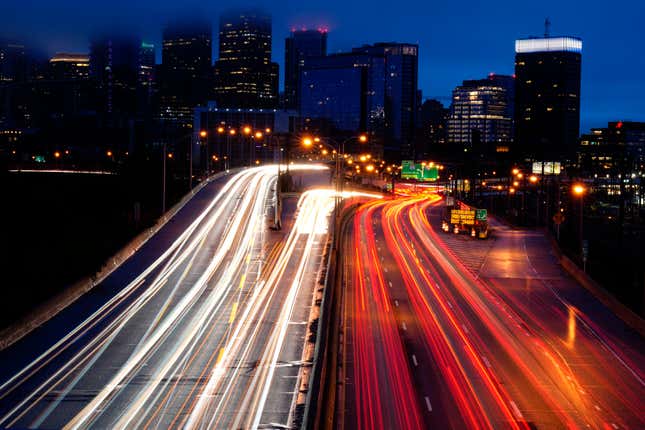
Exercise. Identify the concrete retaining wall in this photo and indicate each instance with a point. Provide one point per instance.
(623, 312)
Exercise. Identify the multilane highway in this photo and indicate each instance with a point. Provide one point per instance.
(429, 343)
(190, 332)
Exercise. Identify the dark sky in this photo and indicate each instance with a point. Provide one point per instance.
(458, 39)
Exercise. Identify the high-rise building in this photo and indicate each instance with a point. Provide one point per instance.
(547, 100)
(146, 80)
(186, 70)
(433, 128)
(300, 45)
(113, 67)
(618, 149)
(401, 83)
(245, 77)
(13, 62)
(146, 64)
(64, 66)
(481, 114)
(347, 89)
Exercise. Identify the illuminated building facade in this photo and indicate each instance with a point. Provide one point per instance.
(185, 79)
(481, 114)
(245, 77)
(618, 148)
(299, 46)
(547, 102)
(65, 66)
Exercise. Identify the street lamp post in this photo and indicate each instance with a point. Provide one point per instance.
(579, 190)
(231, 133)
(203, 139)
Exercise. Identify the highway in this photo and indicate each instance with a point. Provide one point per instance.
(204, 327)
(431, 343)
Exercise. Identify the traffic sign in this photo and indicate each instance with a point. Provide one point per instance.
(462, 216)
(481, 214)
(419, 171)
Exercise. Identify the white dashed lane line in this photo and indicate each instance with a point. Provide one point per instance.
(428, 405)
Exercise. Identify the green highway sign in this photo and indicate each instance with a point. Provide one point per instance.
(419, 171)
(481, 214)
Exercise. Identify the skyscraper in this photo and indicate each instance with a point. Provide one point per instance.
(146, 64)
(146, 80)
(300, 45)
(547, 101)
(186, 70)
(481, 115)
(245, 76)
(113, 67)
(347, 89)
(401, 83)
(13, 62)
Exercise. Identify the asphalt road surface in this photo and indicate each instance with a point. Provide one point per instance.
(203, 327)
(430, 342)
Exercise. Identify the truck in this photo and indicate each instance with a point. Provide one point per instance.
(458, 218)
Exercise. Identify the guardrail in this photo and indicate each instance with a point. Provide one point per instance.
(320, 405)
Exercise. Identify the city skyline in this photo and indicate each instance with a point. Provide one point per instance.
(447, 52)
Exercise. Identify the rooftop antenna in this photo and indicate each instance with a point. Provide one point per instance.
(547, 27)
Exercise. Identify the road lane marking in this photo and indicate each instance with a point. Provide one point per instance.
(233, 312)
(219, 356)
(428, 405)
(242, 280)
(389, 283)
(516, 411)
(396, 303)
(486, 362)
(414, 360)
(405, 327)
(465, 328)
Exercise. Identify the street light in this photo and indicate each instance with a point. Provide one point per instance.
(203, 134)
(579, 191)
(307, 142)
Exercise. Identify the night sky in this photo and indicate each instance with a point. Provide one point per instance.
(458, 40)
